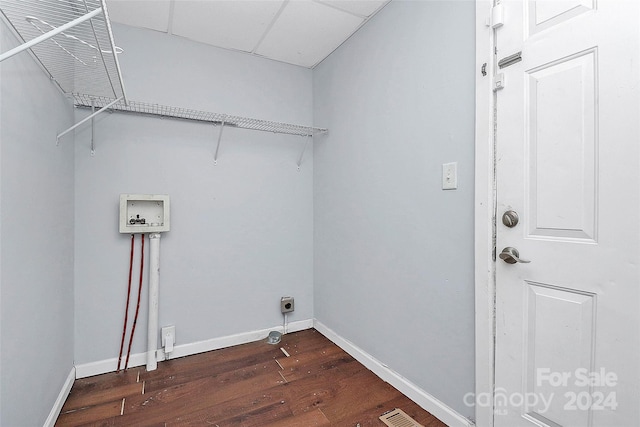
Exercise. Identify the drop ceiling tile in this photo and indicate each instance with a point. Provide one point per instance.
(364, 8)
(153, 14)
(224, 23)
(306, 32)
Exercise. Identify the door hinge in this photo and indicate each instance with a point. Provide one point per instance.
(498, 82)
(496, 17)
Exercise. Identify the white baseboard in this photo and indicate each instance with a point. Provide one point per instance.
(62, 397)
(108, 365)
(139, 359)
(438, 409)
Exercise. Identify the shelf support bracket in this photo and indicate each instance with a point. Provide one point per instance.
(215, 156)
(306, 144)
(60, 135)
(48, 35)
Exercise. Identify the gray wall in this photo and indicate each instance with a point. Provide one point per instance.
(36, 236)
(241, 232)
(393, 251)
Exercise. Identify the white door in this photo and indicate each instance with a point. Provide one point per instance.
(568, 163)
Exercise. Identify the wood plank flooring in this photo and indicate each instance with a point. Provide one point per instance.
(253, 384)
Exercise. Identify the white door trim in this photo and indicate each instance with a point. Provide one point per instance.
(484, 219)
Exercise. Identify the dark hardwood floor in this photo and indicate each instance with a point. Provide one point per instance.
(253, 384)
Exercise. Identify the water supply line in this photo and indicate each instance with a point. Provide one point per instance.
(154, 281)
(126, 311)
(135, 318)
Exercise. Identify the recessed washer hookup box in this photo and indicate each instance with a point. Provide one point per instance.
(144, 213)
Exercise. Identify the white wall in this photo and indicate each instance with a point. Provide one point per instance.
(241, 232)
(36, 231)
(393, 251)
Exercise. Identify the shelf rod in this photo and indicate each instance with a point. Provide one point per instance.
(52, 33)
(215, 156)
(309, 138)
(60, 135)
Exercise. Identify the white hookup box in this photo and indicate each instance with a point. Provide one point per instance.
(144, 213)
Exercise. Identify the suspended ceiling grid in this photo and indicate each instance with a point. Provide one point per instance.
(299, 32)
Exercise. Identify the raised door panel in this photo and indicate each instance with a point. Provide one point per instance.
(559, 339)
(562, 158)
(543, 14)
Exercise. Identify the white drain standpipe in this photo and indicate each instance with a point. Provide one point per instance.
(154, 281)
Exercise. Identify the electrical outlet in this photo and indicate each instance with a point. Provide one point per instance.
(286, 304)
(168, 338)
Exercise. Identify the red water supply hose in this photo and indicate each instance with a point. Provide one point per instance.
(126, 312)
(135, 319)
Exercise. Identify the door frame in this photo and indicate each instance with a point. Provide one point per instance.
(484, 218)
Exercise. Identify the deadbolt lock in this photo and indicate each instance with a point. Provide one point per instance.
(510, 218)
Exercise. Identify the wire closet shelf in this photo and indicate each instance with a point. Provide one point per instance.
(144, 108)
(73, 41)
(77, 48)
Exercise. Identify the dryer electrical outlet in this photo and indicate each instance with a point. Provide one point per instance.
(144, 213)
(286, 304)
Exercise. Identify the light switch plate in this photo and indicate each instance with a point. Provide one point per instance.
(450, 176)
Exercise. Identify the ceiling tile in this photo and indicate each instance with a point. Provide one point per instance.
(153, 14)
(306, 32)
(364, 8)
(225, 23)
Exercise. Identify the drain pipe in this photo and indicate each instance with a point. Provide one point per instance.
(154, 281)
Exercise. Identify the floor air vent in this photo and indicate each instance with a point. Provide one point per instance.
(397, 418)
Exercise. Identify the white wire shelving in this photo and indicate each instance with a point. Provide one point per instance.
(144, 108)
(73, 41)
(218, 119)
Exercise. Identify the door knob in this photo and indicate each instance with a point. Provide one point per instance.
(511, 256)
(510, 218)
